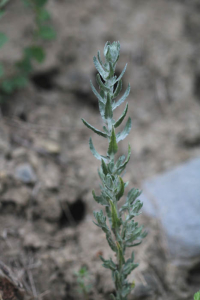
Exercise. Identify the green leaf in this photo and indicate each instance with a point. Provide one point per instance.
(104, 167)
(121, 166)
(101, 84)
(108, 264)
(20, 81)
(104, 74)
(123, 98)
(120, 189)
(36, 53)
(24, 65)
(40, 3)
(122, 73)
(120, 255)
(133, 194)
(108, 108)
(116, 222)
(99, 199)
(99, 58)
(113, 147)
(1, 70)
(120, 120)
(96, 93)
(94, 152)
(126, 290)
(3, 39)
(7, 86)
(94, 129)
(129, 266)
(2, 13)
(46, 32)
(112, 297)
(118, 89)
(3, 3)
(122, 135)
(197, 296)
(43, 15)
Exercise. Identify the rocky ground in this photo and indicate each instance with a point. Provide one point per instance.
(46, 169)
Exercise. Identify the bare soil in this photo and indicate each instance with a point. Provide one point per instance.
(46, 229)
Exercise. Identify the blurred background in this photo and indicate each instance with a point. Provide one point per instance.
(46, 169)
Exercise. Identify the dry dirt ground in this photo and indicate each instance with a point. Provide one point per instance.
(46, 229)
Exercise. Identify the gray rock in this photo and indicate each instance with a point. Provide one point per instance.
(174, 198)
(25, 173)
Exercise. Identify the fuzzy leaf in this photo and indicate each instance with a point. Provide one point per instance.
(108, 108)
(113, 147)
(96, 93)
(121, 166)
(120, 120)
(122, 73)
(118, 89)
(133, 194)
(99, 58)
(99, 199)
(123, 98)
(94, 129)
(197, 296)
(122, 135)
(121, 189)
(109, 264)
(94, 152)
(101, 84)
(99, 68)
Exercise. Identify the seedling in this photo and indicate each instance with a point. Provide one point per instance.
(118, 220)
(33, 53)
(197, 296)
(83, 278)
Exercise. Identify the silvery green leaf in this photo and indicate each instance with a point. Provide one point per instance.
(134, 244)
(108, 108)
(110, 241)
(94, 129)
(101, 84)
(122, 73)
(111, 166)
(123, 98)
(106, 130)
(120, 189)
(100, 199)
(113, 147)
(96, 93)
(104, 74)
(112, 70)
(120, 120)
(94, 152)
(122, 135)
(108, 212)
(118, 89)
(112, 53)
(102, 109)
(120, 161)
(109, 264)
(125, 291)
(99, 58)
(133, 194)
(121, 166)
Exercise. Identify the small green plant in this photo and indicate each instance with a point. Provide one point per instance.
(83, 279)
(197, 296)
(34, 52)
(121, 230)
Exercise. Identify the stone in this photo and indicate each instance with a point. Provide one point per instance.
(25, 173)
(48, 146)
(32, 241)
(174, 199)
(18, 196)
